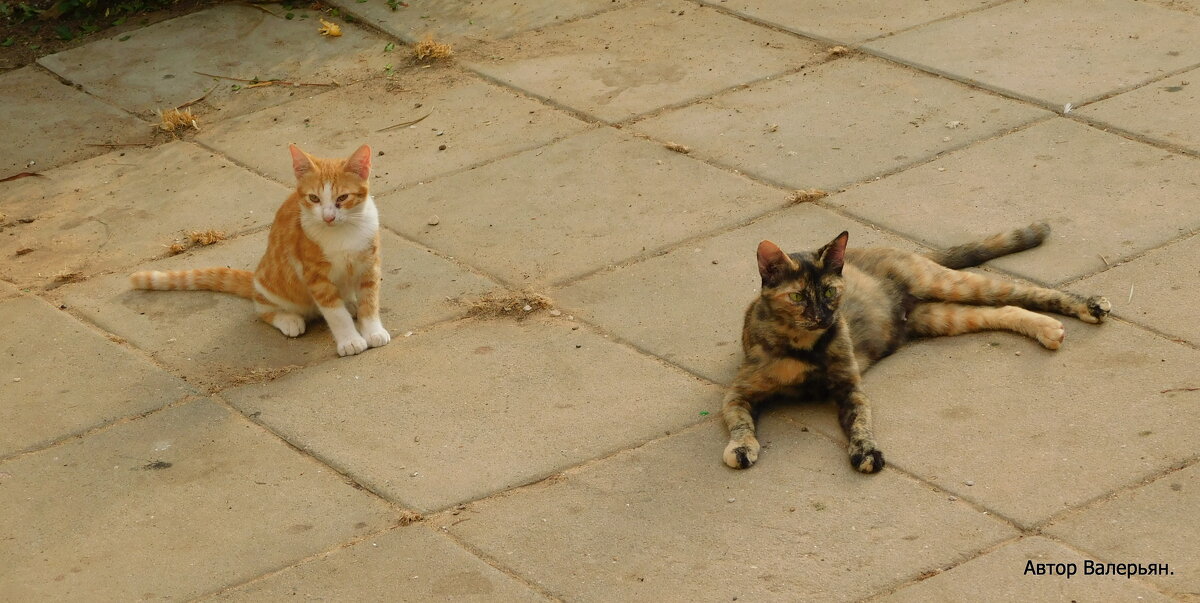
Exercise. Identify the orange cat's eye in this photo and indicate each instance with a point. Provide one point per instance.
(314, 199)
(342, 198)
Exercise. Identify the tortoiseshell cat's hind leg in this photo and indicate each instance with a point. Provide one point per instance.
(931, 281)
(935, 319)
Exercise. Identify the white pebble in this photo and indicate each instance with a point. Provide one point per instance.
(528, 308)
(969, 483)
(556, 313)
(433, 221)
(16, 379)
(731, 500)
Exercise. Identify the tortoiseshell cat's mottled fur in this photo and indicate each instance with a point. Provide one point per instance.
(824, 317)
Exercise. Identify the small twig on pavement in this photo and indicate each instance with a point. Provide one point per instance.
(119, 144)
(22, 175)
(1106, 264)
(1180, 389)
(196, 100)
(258, 82)
(259, 7)
(407, 123)
(1130, 293)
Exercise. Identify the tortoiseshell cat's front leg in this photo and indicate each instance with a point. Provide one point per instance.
(738, 412)
(854, 409)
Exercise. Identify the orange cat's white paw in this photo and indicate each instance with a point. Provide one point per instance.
(352, 345)
(378, 337)
(1051, 335)
(291, 325)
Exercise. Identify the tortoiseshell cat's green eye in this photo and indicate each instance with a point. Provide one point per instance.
(830, 292)
(796, 297)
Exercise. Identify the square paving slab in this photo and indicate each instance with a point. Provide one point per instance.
(1167, 111)
(123, 207)
(216, 339)
(631, 61)
(471, 21)
(578, 205)
(668, 521)
(406, 564)
(1000, 576)
(846, 21)
(687, 305)
(171, 506)
(1157, 290)
(463, 411)
(1107, 198)
(1053, 51)
(1024, 431)
(464, 122)
(1154, 523)
(155, 68)
(838, 123)
(48, 123)
(44, 403)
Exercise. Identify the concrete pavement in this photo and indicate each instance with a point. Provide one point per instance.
(170, 446)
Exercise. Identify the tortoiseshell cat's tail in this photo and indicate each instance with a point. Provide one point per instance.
(974, 254)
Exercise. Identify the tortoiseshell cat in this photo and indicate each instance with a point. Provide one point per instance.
(322, 257)
(825, 317)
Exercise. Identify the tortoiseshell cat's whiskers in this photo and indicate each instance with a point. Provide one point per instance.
(824, 317)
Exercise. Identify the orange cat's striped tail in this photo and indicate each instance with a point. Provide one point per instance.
(974, 254)
(225, 280)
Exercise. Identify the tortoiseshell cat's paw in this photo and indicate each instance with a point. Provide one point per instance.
(1051, 334)
(742, 454)
(1097, 308)
(867, 460)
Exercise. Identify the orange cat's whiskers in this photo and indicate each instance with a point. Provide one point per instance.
(322, 257)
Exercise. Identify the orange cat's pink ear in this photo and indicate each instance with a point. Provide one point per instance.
(772, 263)
(360, 162)
(301, 162)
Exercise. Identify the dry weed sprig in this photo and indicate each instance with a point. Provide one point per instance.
(428, 49)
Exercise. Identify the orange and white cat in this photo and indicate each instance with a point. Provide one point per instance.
(322, 257)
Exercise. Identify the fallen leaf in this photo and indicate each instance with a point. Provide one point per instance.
(330, 29)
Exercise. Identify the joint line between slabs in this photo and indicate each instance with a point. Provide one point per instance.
(344, 477)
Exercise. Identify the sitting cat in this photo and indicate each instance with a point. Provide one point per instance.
(322, 257)
(823, 318)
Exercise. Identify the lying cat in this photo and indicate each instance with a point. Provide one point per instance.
(322, 257)
(823, 318)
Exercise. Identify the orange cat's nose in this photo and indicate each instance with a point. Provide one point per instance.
(329, 219)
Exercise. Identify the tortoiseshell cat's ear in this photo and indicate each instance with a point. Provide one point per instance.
(301, 162)
(360, 162)
(833, 255)
(772, 263)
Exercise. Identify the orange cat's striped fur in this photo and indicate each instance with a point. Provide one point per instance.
(322, 257)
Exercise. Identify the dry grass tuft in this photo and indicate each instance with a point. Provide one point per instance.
(837, 51)
(427, 50)
(508, 304)
(264, 375)
(67, 276)
(174, 119)
(194, 238)
(409, 517)
(807, 195)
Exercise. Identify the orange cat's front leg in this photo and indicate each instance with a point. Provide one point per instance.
(368, 307)
(349, 342)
